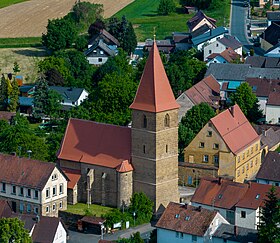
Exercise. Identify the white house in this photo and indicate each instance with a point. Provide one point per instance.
(185, 223)
(273, 108)
(221, 45)
(32, 186)
(70, 97)
(227, 56)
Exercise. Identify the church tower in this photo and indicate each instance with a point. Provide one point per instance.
(155, 135)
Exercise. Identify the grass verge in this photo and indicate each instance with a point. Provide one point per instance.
(144, 17)
(81, 208)
(6, 3)
(20, 42)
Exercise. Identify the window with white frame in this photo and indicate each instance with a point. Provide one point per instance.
(60, 204)
(205, 158)
(28, 192)
(47, 209)
(14, 189)
(54, 207)
(3, 189)
(21, 190)
(54, 177)
(48, 192)
(36, 194)
(61, 188)
(54, 190)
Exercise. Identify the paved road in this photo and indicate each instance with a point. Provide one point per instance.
(238, 25)
(76, 237)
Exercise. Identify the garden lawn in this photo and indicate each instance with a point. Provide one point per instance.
(144, 17)
(81, 208)
(6, 3)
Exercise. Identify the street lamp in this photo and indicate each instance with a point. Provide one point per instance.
(134, 214)
(29, 153)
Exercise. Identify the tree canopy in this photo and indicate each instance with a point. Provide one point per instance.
(268, 230)
(12, 230)
(166, 7)
(194, 120)
(247, 102)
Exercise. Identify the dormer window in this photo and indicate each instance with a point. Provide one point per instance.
(257, 196)
(166, 120)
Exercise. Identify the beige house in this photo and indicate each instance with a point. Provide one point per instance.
(32, 186)
(199, 20)
(227, 142)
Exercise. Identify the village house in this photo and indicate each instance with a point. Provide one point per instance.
(270, 37)
(200, 19)
(207, 90)
(270, 140)
(108, 163)
(273, 17)
(182, 40)
(273, 108)
(229, 143)
(238, 203)
(263, 62)
(32, 186)
(269, 172)
(164, 46)
(41, 229)
(227, 56)
(186, 223)
(221, 45)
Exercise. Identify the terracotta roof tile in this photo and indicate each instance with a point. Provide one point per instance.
(263, 86)
(235, 129)
(125, 166)
(270, 168)
(154, 93)
(25, 172)
(219, 193)
(255, 196)
(96, 143)
(73, 176)
(230, 55)
(186, 219)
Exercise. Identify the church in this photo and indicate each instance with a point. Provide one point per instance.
(106, 164)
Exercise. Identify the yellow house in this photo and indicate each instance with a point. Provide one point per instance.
(227, 142)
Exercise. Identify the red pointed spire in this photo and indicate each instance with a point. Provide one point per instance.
(154, 93)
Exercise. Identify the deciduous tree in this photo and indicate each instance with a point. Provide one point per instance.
(3, 93)
(13, 96)
(166, 7)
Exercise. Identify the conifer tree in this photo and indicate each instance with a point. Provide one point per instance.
(3, 93)
(13, 96)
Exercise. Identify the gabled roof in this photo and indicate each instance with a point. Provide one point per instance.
(103, 46)
(209, 35)
(219, 193)
(186, 219)
(263, 62)
(154, 93)
(235, 129)
(273, 15)
(25, 172)
(272, 34)
(262, 87)
(95, 143)
(230, 41)
(45, 230)
(229, 55)
(270, 137)
(270, 167)
(234, 233)
(68, 93)
(73, 176)
(106, 37)
(201, 30)
(204, 90)
(197, 18)
(274, 98)
(255, 196)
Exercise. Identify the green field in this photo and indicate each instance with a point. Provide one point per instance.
(6, 3)
(143, 15)
(20, 42)
(80, 208)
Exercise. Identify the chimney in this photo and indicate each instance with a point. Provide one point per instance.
(199, 209)
(231, 110)
(235, 230)
(220, 181)
(250, 184)
(264, 132)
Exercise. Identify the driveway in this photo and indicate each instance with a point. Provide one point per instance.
(76, 237)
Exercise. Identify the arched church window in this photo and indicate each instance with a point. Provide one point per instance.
(166, 120)
(145, 121)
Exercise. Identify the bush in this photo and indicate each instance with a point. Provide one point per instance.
(166, 7)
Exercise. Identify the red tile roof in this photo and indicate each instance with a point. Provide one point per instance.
(125, 166)
(186, 219)
(263, 86)
(255, 196)
(235, 129)
(274, 98)
(96, 143)
(154, 93)
(204, 90)
(25, 172)
(220, 193)
(73, 176)
(230, 55)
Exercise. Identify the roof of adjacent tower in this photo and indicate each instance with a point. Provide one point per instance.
(154, 93)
